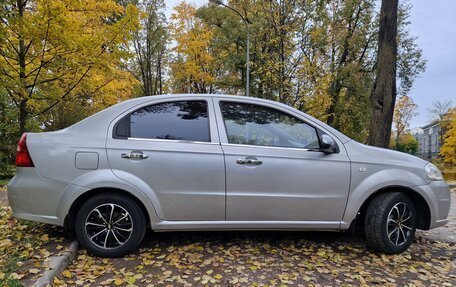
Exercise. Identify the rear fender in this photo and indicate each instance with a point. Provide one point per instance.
(106, 179)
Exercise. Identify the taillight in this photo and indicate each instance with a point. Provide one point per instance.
(23, 158)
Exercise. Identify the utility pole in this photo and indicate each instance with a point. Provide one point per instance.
(247, 56)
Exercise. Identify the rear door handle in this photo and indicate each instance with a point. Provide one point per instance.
(249, 161)
(134, 155)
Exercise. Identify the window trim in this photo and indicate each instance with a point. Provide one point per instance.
(317, 130)
(114, 129)
(172, 140)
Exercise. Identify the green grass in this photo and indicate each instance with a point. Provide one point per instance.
(10, 267)
(13, 257)
(4, 181)
(11, 283)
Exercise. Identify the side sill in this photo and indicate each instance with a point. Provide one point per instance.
(345, 225)
(245, 225)
(38, 218)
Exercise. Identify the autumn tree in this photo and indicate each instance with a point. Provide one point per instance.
(59, 52)
(405, 143)
(8, 133)
(318, 56)
(448, 149)
(193, 68)
(403, 113)
(277, 25)
(440, 111)
(150, 47)
(292, 57)
(228, 45)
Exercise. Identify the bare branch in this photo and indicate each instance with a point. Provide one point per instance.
(42, 58)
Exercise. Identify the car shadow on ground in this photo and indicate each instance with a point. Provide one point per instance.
(188, 237)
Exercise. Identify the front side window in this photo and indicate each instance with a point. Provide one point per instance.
(182, 120)
(251, 124)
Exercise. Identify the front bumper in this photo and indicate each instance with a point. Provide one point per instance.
(438, 197)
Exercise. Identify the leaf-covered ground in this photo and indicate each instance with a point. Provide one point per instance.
(268, 259)
(265, 259)
(225, 259)
(24, 246)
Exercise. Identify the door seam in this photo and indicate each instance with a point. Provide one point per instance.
(221, 148)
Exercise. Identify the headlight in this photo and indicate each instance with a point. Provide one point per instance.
(433, 172)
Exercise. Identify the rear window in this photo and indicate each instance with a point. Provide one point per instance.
(181, 120)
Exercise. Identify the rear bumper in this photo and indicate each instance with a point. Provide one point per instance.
(33, 197)
(439, 201)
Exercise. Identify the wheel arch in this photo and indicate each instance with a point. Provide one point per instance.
(421, 205)
(70, 217)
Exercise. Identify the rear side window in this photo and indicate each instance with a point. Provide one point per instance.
(182, 120)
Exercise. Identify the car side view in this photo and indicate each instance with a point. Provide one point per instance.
(217, 162)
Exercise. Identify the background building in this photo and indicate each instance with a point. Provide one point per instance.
(429, 140)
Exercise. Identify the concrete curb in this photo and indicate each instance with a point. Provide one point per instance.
(57, 265)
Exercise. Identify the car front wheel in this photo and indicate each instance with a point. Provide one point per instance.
(110, 225)
(390, 223)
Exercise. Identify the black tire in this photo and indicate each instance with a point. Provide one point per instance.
(124, 226)
(385, 224)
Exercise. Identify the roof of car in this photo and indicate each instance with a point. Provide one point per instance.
(131, 103)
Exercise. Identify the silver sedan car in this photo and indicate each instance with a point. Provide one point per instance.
(216, 162)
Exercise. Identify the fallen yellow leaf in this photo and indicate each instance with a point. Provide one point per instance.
(16, 276)
(34, 271)
(66, 274)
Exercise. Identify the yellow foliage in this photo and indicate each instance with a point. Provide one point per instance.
(192, 69)
(404, 110)
(448, 149)
(62, 51)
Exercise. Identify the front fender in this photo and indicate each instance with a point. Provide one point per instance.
(106, 179)
(363, 187)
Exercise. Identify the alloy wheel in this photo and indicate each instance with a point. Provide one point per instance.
(109, 226)
(399, 224)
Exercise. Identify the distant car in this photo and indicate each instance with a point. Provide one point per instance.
(216, 162)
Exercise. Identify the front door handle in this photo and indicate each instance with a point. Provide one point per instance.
(134, 155)
(249, 161)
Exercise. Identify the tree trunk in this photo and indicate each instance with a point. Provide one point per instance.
(334, 93)
(383, 95)
(397, 140)
(23, 113)
(159, 74)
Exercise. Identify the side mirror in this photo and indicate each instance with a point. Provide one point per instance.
(327, 144)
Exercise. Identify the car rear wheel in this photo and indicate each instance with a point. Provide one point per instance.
(390, 223)
(110, 225)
